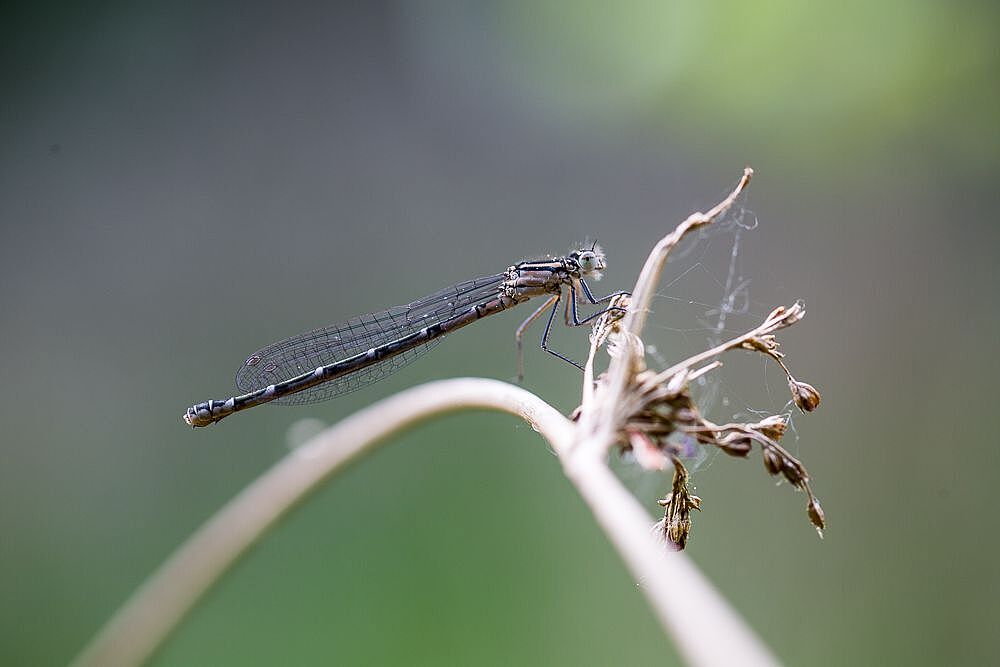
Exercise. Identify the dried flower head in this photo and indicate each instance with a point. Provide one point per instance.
(659, 406)
(652, 414)
(677, 505)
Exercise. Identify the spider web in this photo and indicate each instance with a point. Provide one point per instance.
(706, 299)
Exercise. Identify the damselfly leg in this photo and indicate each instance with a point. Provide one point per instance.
(572, 319)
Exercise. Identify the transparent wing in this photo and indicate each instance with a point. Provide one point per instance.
(294, 356)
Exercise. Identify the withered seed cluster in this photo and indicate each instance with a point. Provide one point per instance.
(659, 405)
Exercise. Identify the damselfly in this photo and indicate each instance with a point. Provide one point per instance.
(335, 360)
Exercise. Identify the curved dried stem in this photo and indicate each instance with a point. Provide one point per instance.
(135, 631)
(691, 611)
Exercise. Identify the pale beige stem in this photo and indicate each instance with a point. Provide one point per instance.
(136, 630)
(691, 611)
(704, 627)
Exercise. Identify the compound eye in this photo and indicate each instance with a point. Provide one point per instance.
(587, 261)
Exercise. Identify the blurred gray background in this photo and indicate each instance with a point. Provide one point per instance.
(183, 183)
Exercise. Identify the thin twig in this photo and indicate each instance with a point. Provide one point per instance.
(777, 319)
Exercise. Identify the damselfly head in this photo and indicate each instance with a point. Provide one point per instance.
(590, 261)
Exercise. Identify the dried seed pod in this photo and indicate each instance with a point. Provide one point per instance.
(793, 472)
(772, 461)
(816, 515)
(736, 444)
(804, 394)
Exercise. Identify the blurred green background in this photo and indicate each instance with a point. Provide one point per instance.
(182, 183)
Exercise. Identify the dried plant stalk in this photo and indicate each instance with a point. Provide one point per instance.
(640, 410)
